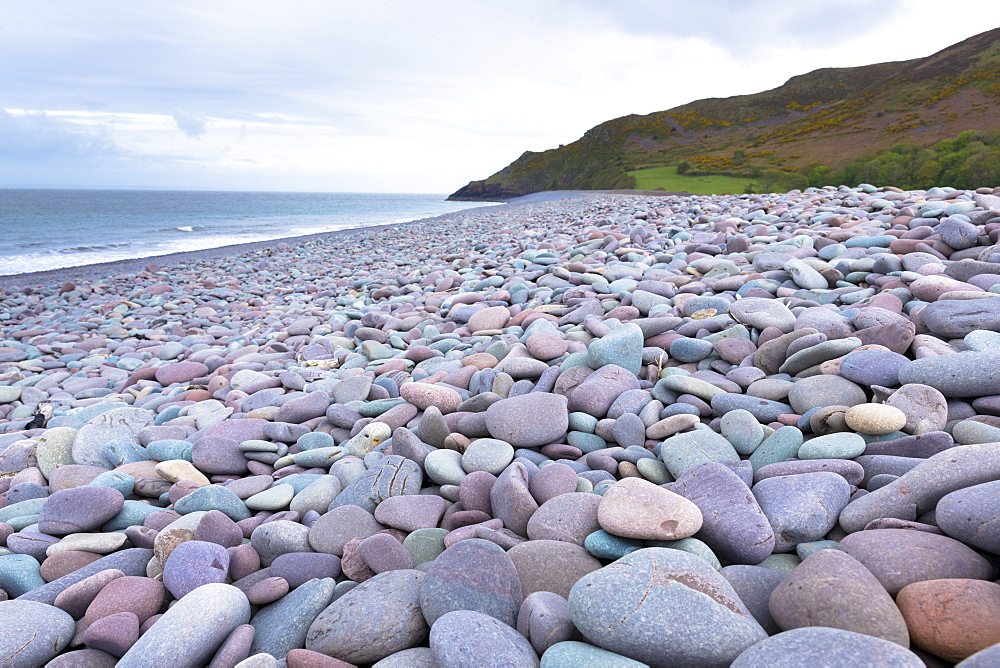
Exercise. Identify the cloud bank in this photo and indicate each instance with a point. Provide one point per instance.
(392, 96)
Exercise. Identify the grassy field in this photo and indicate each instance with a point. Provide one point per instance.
(667, 178)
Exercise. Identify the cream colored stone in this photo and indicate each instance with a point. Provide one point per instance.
(181, 469)
(55, 449)
(636, 508)
(99, 543)
(875, 419)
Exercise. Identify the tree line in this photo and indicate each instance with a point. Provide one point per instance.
(970, 160)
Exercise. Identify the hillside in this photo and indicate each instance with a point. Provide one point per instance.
(825, 118)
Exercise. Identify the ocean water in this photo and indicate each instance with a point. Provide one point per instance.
(51, 229)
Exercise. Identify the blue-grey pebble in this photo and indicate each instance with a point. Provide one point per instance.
(754, 585)
(820, 645)
(585, 441)
(32, 633)
(123, 482)
(472, 574)
(133, 513)
(22, 509)
(118, 453)
(802, 507)
(956, 318)
(629, 430)
(190, 632)
(621, 346)
(683, 451)
(322, 457)
(572, 654)
(741, 429)
(583, 422)
(617, 607)
(272, 539)
(131, 561)
(314, 440)
(873, 367)
(691, 545)
(970, 515)
(631, 401)
(299, 481)
(604, 545)
(27, 490)
(317, 495)
(783, 444)
(392, 476)
(983, 341)
(213, 497)
(374, 620)
(469, 638)
(803, 550)
(487, 454)
(282, 626)
(959, 375)
(824, 390)
(690, 350)
(839, 445)
(166, 449)
(19, 574)
(764, 410)
(984, 658)
(968, 432)
(734, 526)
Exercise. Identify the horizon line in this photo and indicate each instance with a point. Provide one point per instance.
(208, 189)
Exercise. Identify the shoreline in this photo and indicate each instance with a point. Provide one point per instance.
(551, 195)
(98, 269)
(90, 272)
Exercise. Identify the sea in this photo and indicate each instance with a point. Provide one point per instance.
(51, 229)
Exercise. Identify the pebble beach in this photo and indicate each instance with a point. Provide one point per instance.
(612, 430)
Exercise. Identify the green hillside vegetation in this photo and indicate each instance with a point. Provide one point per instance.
(812, 129)
(667, 178)
(970, 160)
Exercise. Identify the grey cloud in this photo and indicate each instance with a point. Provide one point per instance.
(742, 27)
(38, 137)
(471, 82)
(190, 124)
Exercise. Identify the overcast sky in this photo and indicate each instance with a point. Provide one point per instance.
(394, 96)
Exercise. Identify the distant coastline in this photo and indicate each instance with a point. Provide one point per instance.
(98, 270)
(549, 195)
(133, 265)
(48, 229)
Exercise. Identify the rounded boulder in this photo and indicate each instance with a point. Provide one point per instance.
(529, 420)
(622, 608)
(379, 617)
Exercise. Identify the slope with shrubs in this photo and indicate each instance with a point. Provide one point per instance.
(815, 125)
